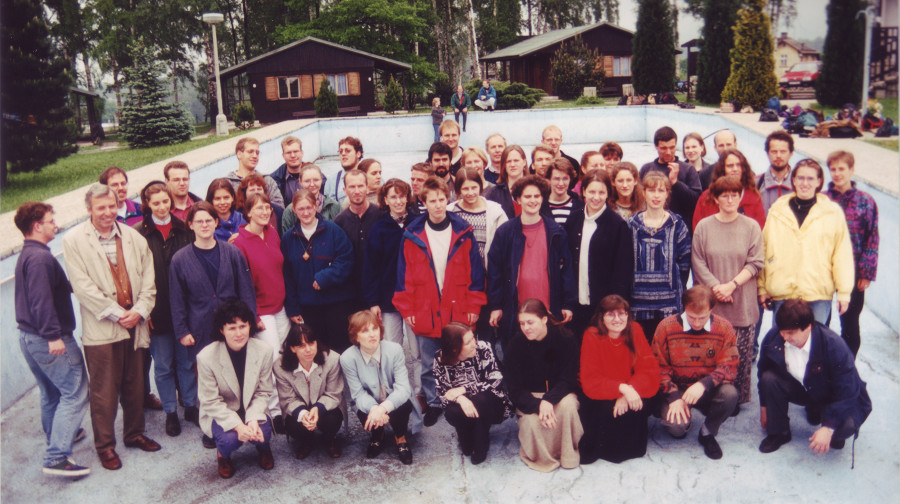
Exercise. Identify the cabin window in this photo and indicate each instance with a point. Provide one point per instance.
(288, 88)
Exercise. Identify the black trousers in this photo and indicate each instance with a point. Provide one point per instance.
(330, 322)
(777, 391)
(850, 320)
(612, 439)
(329, 424)
(399, 420)
(474, 432)
(649, 327)
(716, 404)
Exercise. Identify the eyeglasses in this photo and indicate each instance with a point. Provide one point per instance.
(616, 315)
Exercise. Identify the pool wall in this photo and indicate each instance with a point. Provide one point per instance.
(414, 133)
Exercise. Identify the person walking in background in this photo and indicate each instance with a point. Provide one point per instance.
(461, 103)
(46, 320)
(437, 116)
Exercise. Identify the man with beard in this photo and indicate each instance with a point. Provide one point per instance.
(683, 177)
(439, 155)
(356, 220)
(776, 181)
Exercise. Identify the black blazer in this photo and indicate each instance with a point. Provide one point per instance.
(610, 256)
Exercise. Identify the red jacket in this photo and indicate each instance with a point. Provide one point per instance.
(751, 206)
(417, 293)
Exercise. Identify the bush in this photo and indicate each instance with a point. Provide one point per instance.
(393, 98)
(589, 100)
(653, 63)
(574, 67)
(510, 95)
(243, 115)
(326, 101)
(443, 89)
(752, 79)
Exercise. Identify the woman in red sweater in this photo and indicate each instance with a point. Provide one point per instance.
(618, 372)
(732, 163)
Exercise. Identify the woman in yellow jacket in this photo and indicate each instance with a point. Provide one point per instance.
(808, 254)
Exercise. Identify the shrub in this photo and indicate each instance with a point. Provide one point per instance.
(589, 100)
(243, 115)
(752, 80)
(574, 67)
(840, 80)
(653, 63)
(443, 89)
(326, 101)
(393, 97)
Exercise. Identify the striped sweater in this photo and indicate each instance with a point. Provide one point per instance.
(662, 264)
(710, 357)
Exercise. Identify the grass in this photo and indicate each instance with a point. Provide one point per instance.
(887, 143)
(84, 167)
(889, 108)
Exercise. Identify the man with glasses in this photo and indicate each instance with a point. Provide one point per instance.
(698, 361)
(46, 320)
(350, 153)
(178, 180)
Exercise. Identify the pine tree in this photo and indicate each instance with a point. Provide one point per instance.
(714, 61)
(35, 93)
(653, 64)
(573, 67)
(326, 101)
(840, 80)
(147, 118)
(393, 97)
(752, 80)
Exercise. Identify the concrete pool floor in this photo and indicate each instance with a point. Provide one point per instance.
(672, 471)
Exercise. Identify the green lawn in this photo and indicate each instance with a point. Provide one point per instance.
(887, 143)
(84, 167)
(889, 109)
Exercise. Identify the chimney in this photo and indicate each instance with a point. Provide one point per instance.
(783, 35)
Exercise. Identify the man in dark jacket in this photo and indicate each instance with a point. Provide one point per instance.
(287, 176)
(804, 362)
(460, 103)
(685, 182)
(46, 320)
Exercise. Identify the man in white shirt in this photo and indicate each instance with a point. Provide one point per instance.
(804, 362)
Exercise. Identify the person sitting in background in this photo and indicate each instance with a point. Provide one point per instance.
(618, 374)
(310, 389)
(236, 415)
(470, 387)
(375, 371)
(803, 362)
(487, 97)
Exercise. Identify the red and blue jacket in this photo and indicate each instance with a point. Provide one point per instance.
(417, 293)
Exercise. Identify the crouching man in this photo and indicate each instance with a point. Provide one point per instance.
(805, 363)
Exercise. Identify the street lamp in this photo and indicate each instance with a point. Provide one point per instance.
(214, 18)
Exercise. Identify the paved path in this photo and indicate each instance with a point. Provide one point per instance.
(877, 166)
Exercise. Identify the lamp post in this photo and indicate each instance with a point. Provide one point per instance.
(214, 18)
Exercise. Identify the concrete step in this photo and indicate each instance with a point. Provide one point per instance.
(546, 99)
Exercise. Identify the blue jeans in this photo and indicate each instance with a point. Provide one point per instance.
(171, 357)
(427, 348)
(437, 135)
(63, 382)
(227, 440)
(821, 310)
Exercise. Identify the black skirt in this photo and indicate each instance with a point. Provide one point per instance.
(612, 439)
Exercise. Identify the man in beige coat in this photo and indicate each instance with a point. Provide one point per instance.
(111, 270)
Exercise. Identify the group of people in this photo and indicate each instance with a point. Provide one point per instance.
(485, 288)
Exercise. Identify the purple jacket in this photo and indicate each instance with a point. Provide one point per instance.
(862, 221)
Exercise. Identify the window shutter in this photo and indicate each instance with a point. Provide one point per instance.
(353, 83)
(608, 66)
(271, 88)
(317, 83)
(306, 86)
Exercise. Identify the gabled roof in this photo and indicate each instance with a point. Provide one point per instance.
(798, 46)
(548, 39)
(386, 61)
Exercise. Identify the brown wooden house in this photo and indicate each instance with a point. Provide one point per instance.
(282, 84)
(528, 61)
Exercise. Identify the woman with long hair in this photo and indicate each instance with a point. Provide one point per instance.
(252, 184)
(221, 196)
(513, 163)
(618, 373)
(627, 197)
(694, 150)
(733, 164)
(541, 375)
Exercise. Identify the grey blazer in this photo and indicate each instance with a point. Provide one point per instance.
(217, 385)
(324, 387)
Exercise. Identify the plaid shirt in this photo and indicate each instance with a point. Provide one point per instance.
(108, 244)
(862, 221)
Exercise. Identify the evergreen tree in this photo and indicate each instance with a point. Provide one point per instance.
(714, 61)
(840, 80)
(326, 101)
(35, 93)
(393, 98)
(653, 63)
(752, 80)
(147, 118)
(573, 67)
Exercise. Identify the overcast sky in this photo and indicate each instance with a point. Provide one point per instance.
(810, 23)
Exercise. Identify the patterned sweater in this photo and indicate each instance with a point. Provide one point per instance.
(862, 221)
(662, 264)
(710, 357)
(478, 374)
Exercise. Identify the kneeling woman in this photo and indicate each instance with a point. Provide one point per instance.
(618, 372)
(234, 386)
(310, 383)
(470, 388)
(375, 371)
(540, 369)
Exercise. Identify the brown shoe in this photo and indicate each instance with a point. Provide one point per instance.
(265, 458)
(302, 451)
(226, 469)
(152, 402)
(144, 443)
(334, 449)
(109, 459)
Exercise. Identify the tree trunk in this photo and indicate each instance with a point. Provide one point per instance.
(473, 43)
(441, 43)
(87, 72)
(245, 9)
(175, 81)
